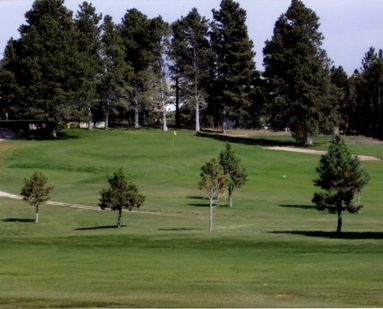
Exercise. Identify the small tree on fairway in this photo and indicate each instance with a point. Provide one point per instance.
(213, 183)
(341, 176)
(121, 194)
(35, 191)
(234, 170)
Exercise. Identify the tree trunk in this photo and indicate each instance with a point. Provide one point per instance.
(178, 116)
(106, 122)
(339, 228)
(197, 128)
(119, 218)
(90, 122)
(136, 115)
(37, 213)
(211, 215)
(335, 132)
(164, 124)
(230, 197)
(224, 121)
(53, 132)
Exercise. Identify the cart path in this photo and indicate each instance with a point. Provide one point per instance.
(19, 197)
(319, 152)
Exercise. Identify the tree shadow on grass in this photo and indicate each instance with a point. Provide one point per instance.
(254, 141)
(200, 205)
(200, 198)
(196, 197)
(179, 229)
(98, 227)
(19, 220)
(299, 206)
(40, 135)
(334, 235)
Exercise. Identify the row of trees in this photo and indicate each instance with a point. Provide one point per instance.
(340, 176)
(122, 193)
(89, 68)
(65, 68)
(226, 173)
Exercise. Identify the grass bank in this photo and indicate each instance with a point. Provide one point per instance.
(272, 249)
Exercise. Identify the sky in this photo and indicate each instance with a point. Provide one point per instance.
(350, 27)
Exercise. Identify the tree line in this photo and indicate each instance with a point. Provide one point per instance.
(87, 67)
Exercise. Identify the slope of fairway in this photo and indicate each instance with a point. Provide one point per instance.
(272, 249)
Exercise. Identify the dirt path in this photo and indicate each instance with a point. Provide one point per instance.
(19, 197)
(319, 152)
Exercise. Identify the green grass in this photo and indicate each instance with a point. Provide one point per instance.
(272, 249)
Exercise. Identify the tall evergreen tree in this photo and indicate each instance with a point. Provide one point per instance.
(114, 88)
(161, 33)
(340, 176)
(190, 51)
(46, 61)
(10, 71)
(371, 92)
(139, 42)
(296, 68)
(89, 45)
(235, 67)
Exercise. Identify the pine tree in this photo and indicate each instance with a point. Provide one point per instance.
(296, 68)
(235, 67)
(161, 31)
(340, 176)
(114, 88)
(44, 65)
(371, 92)
(213, 183)
(190, 51)
(121, 194)
(139, 41)
(232, 167)
(88, 33)
(35, 191)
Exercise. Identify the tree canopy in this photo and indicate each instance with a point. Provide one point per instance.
(35, 191)
(234, 71)
(340, 176)
(213, 183)
(296, 68)
(122, 193)
(233, 168)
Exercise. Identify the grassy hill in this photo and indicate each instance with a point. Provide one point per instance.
(272, 249)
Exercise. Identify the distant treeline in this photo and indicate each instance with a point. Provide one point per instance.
(83, 67)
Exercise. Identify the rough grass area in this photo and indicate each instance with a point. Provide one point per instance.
(272, 249)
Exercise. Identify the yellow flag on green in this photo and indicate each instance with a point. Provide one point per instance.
(174, 132)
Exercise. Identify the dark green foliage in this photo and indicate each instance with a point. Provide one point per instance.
(191, 54)
(365, 99)
(340, 176)
(114, 86)
(296, 68)
(88, 34)
(233, 168)
(35, 190)
(213, 183)
(43, 66)
(140, 42)
(234, 73)
(121, 194)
